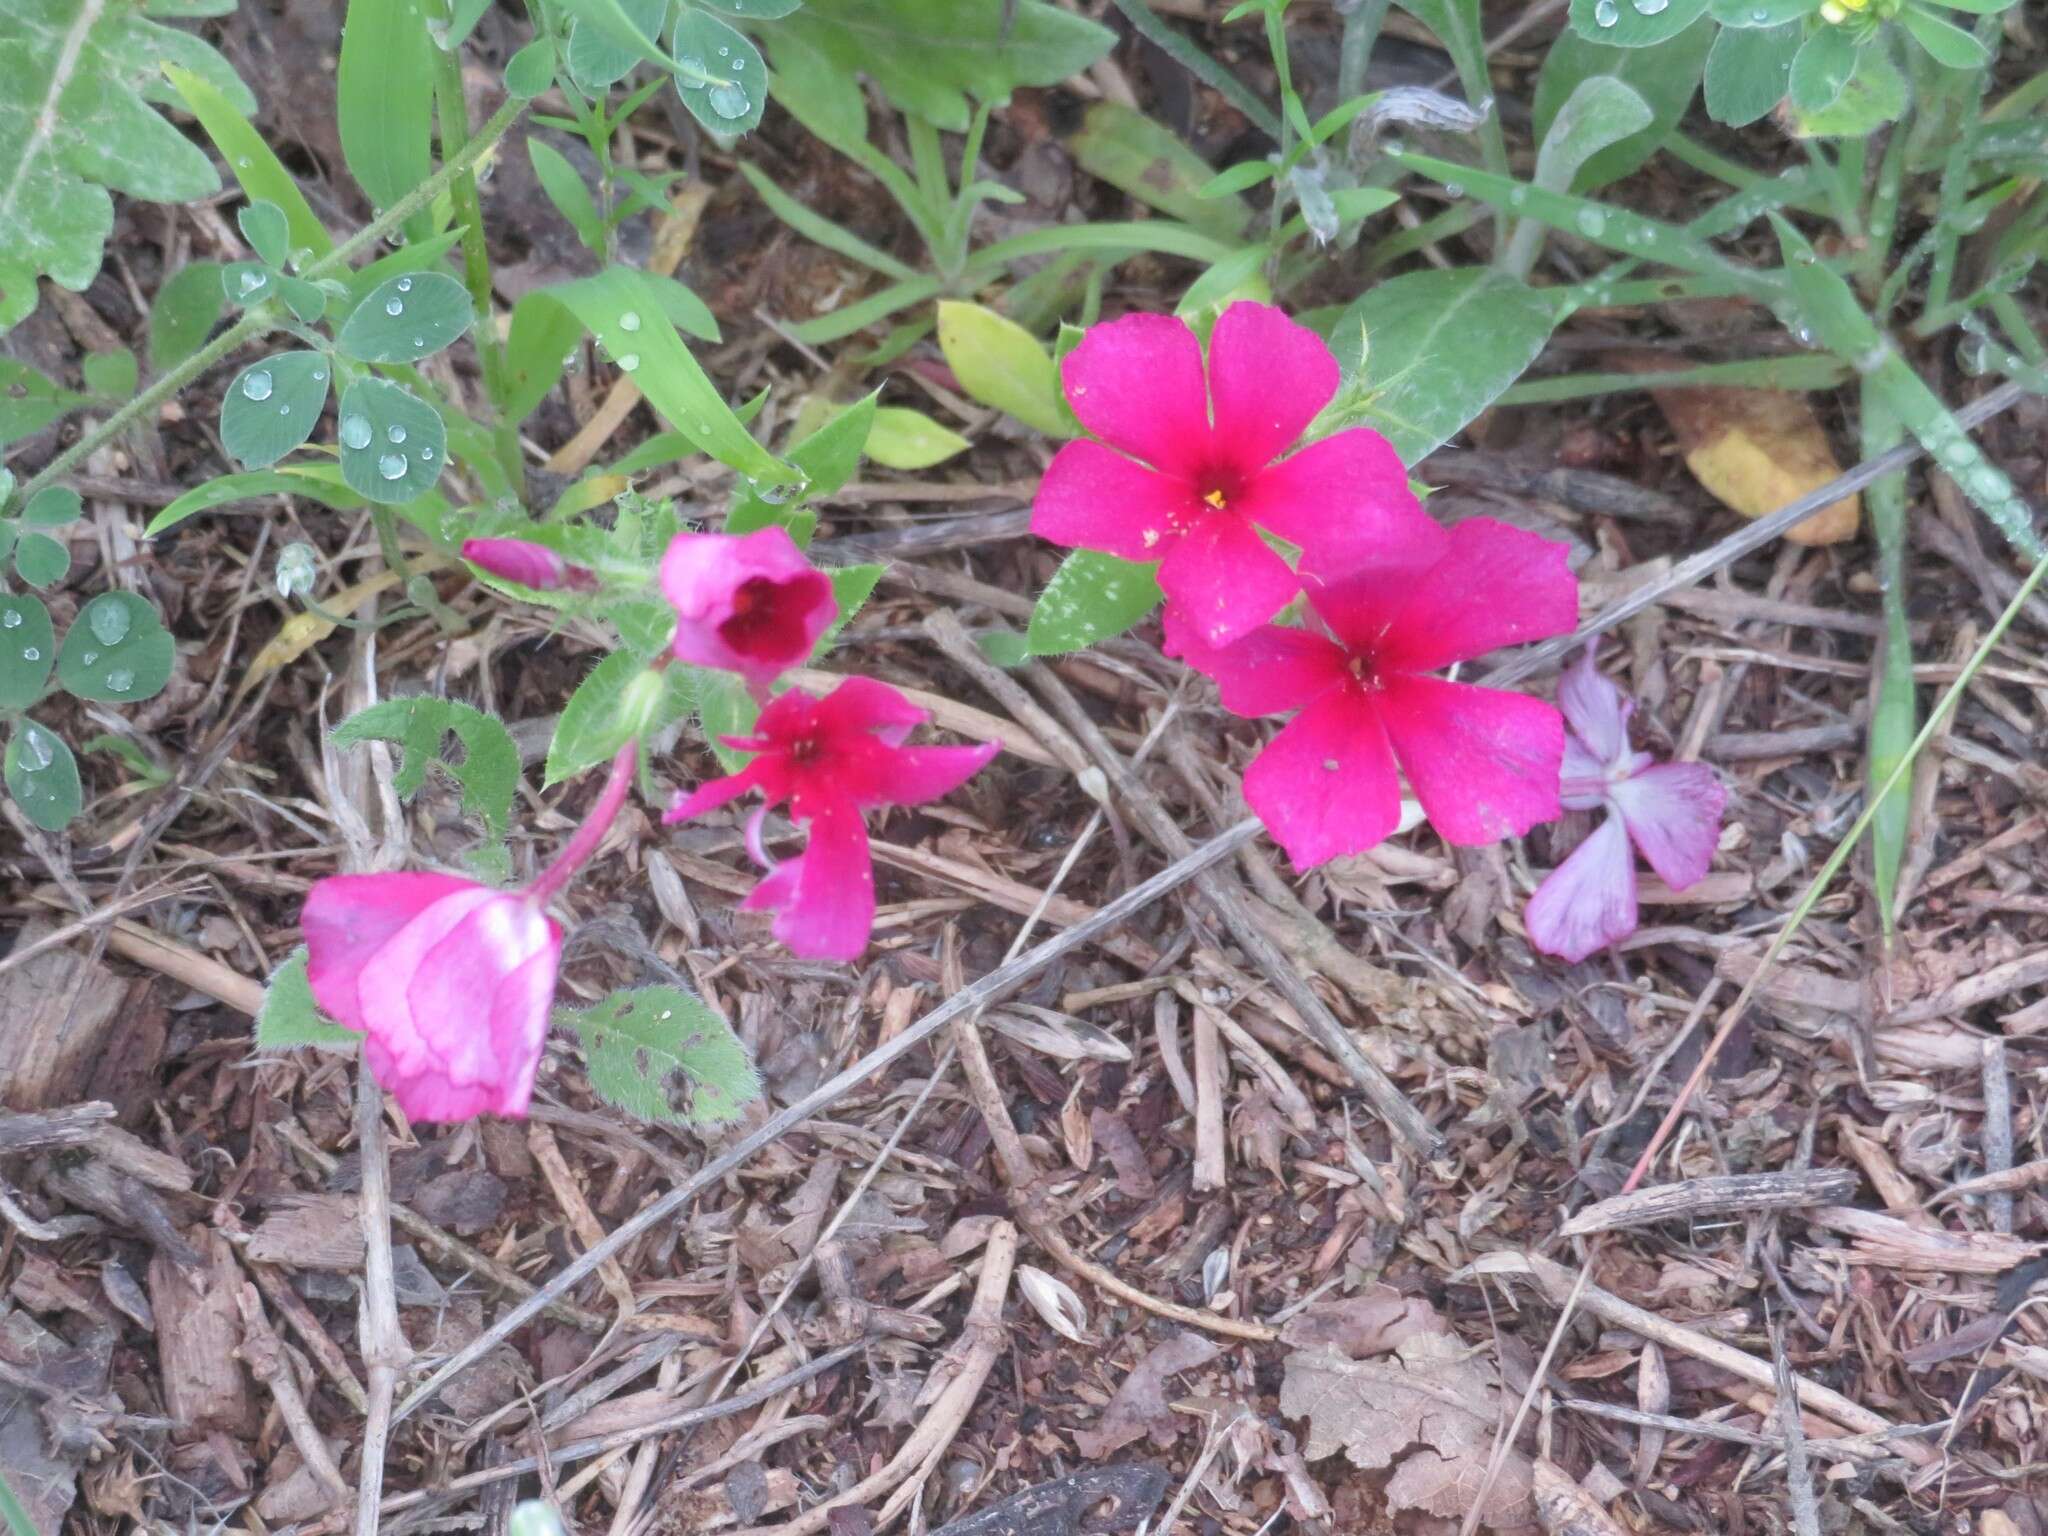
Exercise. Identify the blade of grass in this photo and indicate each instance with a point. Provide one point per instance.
(820, 230)
(1197, 63)
(1811, 371)
(11, 1510)
(1891, 713)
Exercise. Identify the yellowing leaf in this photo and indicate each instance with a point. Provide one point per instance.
(905, 439)
(1757, 450)
(1001, 364)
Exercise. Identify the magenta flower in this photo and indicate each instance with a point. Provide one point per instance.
(748, 603)
(1483, 763)
(1188, 469)
(1670, 811)
(449, 982)
(831, 759)
(529, 564)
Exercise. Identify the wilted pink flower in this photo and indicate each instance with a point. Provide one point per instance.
(449, 982)
(747, 603)
(831, 759)
(1483, 763)
(1211, 475)
(1670, 811)
(529, 564)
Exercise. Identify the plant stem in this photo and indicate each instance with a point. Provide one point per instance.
(1361, 30)
(257, 321)
(577, 851)
(383, 1340)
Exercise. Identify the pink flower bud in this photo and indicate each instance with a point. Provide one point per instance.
(746, 603)
(529, 564)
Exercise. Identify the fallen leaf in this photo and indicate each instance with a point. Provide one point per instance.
(1370, 1323)
(1757, 450)
(1139, 1407)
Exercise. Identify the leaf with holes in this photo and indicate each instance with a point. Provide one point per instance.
(731, 99)
(28, 400)
(661, 1053)
(290, 1018)
(1091, 597)
(79, 84)
(406, 319)
(488, 770)
(28, 649)
(116, 651)
(393, 444)
(42, 775)
(272, 406)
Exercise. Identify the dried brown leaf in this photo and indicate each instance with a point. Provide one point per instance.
(1139, 1407)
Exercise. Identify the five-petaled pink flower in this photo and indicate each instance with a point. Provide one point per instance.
(831, 759)
(529, 564)
(1188, 469)
(1670, 811)
(449, 982)
(1483, 763)
(748, 603)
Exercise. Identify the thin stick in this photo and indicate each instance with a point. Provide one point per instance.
(384, 1349)
(1798, 1474)
(986, 990)
(1997, 1132)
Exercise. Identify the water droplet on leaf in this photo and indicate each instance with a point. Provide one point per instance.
(629, 321)
(1606, 13)
(12, 620)
(1591, 222)
(629, 362)
(405, 285)
(355, 431)
(35, 749)
(120, 680)
(394, 306)
(30, 653)
(729, 101)
(395, 434)
(257, 385)
(392, 466)
(109, 622)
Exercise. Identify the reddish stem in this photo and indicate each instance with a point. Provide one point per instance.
(577, 851)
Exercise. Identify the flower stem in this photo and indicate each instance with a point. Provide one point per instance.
(577, 851)
(258, 320)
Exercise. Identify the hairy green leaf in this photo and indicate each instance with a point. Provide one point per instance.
(663, 1054)
(488, 769)
(1091, 597)
(595, 723)
(290, 1018)
(1664, 77)
(1748, 72)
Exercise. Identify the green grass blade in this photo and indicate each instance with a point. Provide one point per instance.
(1815, 371)
(821, 230)
(1891, 713)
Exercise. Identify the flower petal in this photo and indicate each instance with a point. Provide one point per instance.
(746, 603)
(826, 895)
(1137, 384)
(1496, 585)
(1673, 812)
(1484, 763)
(1339, 500)
(477, 1024)
(920, 774)
(1225, 579)
(1091, 498)
(1596, 711)
(1273, 669)
(1588, 901)
(427, 1095)
(711, 795)
(1268, 377)
(1359, 597)
(348, 918)
(1325, 786)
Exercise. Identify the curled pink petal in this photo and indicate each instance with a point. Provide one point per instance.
(1225, 579)
(1325, 786)
(1496, 585)
(1137, 384)
(1484, 763)
(1268, 379)
(529, 564)
(1271, 670)
(924, 774)
(747, 603)
(824, 898)
(348, 918)
(1595, 710)
(1673, 812)
(1589, 901)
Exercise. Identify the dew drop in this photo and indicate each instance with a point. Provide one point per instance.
(419, 341)
(257, 385)
(426, 455)
(90, 657)
(392, 466)
(1759, 15)
(629, 362)
(35, 749)
(1651, 7)
(30, 653)
(722, 53)
(12, 619)
(1453, 190)
(1591, 222)
(629, 321)
(120, 680)
(319, 375)
(252, 282)
(355, 431)
(405, 285)
(1606, 13)
(729, 101)
(395, 434)
(394, 306)
(109, 622)
(1986, 482)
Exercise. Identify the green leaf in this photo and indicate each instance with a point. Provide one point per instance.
(77, 80)
(1423, 375)
(830, 455)
(1005, 647)
(662, 1054)
(928, 56)
(816, 227)
(393, 444)
(1629, 24)
(1600, 112)
(1821, 69)
(597, 58)
(251, 160)
(264, 226)
(1946, 43)
(594, 723)
(754, 10)
(488, 769)
(29, 402)
(1664, 77)
(42, 775)
(272, 406)
(852, 586)
(1091, 597)
(1748, 72)
(316, 482)
(615, 19)
(28, 649)
(999, 363)
(247, 283)
(1892, 717)
(905, 439)
(290, 1018)
(188, 304)
(1766, 15)
(704, 45)
(530, 71)
(52, 507)
(40, 560)
(1875, 95)
(384, 100)
(725, 708)
(116, 651)
(406, 319)
(1150, 162)
(564, 187)
(111, 375)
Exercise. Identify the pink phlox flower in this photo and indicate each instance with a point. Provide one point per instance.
(1482, 762)
(1188, 469)
(529, 564)
(830, 760)
(449, 982)
(1670, 811)
(748, 603)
